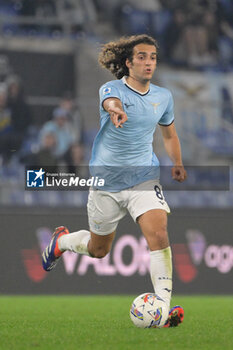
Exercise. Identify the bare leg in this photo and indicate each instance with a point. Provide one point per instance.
(99, 246)
(154, 228)
(87, 243)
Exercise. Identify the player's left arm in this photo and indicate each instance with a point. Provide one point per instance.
(172, 146)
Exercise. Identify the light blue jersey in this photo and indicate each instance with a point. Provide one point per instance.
(124, 157)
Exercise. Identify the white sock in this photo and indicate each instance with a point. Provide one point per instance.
(161, 273)
(75, 242)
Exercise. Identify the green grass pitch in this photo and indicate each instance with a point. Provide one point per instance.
(103, 323)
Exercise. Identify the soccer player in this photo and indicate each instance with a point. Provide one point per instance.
(130, 109)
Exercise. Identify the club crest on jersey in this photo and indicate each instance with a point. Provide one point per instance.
(106, 91)
(155, 105)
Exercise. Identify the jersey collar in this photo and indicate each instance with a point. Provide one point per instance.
(131, 88)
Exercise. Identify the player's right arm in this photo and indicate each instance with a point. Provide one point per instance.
(115, 109)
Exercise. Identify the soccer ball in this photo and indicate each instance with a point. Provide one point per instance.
(148, 310)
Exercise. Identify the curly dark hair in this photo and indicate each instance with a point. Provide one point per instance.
(114, 54)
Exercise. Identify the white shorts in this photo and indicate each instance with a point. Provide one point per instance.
(106, 209)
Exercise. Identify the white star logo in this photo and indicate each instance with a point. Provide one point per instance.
(39, 174)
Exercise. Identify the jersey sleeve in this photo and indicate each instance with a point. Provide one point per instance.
(107, 91)
(168, 116)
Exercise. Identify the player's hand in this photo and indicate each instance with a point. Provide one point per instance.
(118, 117)
(179, 173)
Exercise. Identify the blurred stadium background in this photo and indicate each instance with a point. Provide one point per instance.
(49, 74)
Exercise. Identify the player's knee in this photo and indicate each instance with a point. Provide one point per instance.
(161, 232)
(99, 252)
(158, 238)
(158, 232)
